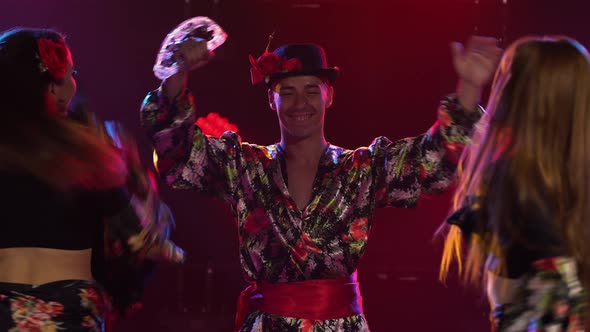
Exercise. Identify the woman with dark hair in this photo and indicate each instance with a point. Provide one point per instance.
(523, 198)
(81, 225)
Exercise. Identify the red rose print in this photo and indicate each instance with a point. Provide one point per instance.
(307, 325)
(256, 221)
(92, 295)
(381, 195)
(51, 308)
(304, 245)
(358, 229)
(444, 119)
(92, 299)
(56, 308)
(32, 314)
(453, 151)
(361, 161)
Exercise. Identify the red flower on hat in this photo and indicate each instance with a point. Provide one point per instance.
(54, 58)
(270, 63)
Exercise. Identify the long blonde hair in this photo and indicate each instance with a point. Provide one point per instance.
(538, 124)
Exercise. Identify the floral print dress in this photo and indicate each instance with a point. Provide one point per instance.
(124, 230)
(279, 241)
(551, 299)
(68, 305)
(550, 296)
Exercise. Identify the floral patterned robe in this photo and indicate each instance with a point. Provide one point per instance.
(280, 242)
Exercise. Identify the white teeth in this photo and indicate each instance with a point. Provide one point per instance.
(302, 117)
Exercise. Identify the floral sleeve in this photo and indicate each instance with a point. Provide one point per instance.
(426, 164)
(135, 237)
(551, 299)
(186, 157)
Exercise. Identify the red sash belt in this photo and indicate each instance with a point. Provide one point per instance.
(311, 299)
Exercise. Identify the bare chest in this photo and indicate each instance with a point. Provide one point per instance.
(300, 184)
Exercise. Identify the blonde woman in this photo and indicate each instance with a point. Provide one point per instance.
(523, 198)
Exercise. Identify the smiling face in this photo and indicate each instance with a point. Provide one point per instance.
(300, 103)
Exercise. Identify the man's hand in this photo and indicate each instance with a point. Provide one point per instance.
(475, 64)
(191, 54)
(477, 61)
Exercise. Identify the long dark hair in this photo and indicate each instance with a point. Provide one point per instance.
(56, 149)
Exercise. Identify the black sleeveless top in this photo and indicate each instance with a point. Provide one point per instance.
(538, 234)
(34, 214)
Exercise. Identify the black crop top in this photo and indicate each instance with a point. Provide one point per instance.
(540, 238)
(36, 215)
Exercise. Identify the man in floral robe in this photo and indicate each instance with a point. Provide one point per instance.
(303, 206)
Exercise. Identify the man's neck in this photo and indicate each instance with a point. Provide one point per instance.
(308, 150)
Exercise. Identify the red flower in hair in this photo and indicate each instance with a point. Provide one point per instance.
(54, 58)
(270, 63)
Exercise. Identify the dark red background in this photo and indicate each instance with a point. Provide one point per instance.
(395, 65)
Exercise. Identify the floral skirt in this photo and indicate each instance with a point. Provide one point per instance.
(551, 300)
(67, 305)
(262, 322)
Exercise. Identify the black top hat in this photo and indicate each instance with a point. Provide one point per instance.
(292, 60)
